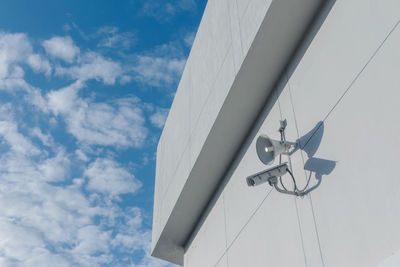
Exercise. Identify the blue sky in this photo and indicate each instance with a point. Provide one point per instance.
(85, 88)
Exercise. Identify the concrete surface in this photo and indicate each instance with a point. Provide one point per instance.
(348, 79)
(227, 79)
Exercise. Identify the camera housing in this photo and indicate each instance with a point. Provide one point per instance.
(270, 175)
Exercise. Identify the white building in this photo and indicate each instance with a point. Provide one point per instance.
(332, 70)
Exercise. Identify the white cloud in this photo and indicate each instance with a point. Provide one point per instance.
(159, 117)
(34, 214)
(34, 97)
(162, 66)
(189, 39)
(46, 139)
(55, 169)
(108, 177)
(62, 48)
(119, 123)
(91, 240)
(39, 64)
(24, 246)
(93, 66)
(15, 51)
(110, 37)
(14, 48)
(158, 71)
(15, 83)
(64, 100)
(42, 224)
(17, 142)
(81, 155)
(166, 10)
(104, 124)
(60, 207)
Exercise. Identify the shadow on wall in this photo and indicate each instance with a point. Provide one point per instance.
(320, 168)
(309, 143)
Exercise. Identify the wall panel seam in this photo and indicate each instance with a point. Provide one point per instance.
(362, 70)
(239, 29)
(226, 233)
(197, 120)
(302, 158)
(245, 225)
(301, 232)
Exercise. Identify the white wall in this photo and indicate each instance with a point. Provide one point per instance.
(221, 43)
(349, 78)
(224, 84)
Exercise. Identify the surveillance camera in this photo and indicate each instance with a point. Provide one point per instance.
(267, 150)
(270, 175)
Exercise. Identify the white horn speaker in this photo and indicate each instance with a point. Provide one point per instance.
(268, 149)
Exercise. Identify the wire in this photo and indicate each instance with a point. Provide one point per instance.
(280, 161)
(280, 181)
(307, 184)
(295, 191)
(294, 180)
(283, 138)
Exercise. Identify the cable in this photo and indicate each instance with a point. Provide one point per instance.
(280, 177)
(280, 160)
(294, 180)
(307, 184)
(295, 191)
(283, 138)
(280, 181)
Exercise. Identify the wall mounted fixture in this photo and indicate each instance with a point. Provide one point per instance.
(267, 150)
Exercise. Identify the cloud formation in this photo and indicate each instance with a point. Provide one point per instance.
(60, 193)
(166, 10)
(56, 213)
(160, 67)
(159, 117)
(39, 64)
(120, 123)
(92, 66)
(111, 37)
(16, 50)
(189, 39)
(62, 48)
(158, 71)
(107, 177)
